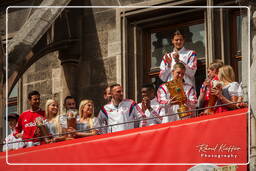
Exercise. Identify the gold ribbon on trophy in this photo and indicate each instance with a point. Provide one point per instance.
(176, 90)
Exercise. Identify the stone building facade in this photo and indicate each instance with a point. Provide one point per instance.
(85, 49)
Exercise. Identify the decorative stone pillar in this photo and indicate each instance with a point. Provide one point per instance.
(252, 95)
(70, 65)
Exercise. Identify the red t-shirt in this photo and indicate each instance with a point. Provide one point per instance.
(26, 123)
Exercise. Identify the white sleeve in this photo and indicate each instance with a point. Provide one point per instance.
(233, 89)
(103, 122)
(240, 91)
(137, 111)
(156, 113)
(192, 99)
(165, 69)
(162, 95)
(191, 65)
(96, 125)
(163, 112)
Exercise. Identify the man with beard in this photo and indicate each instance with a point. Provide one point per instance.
(118, 111)
(26, 127)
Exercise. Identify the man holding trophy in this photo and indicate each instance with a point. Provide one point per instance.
(177, 96)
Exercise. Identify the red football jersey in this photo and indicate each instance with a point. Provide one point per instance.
(26, 123)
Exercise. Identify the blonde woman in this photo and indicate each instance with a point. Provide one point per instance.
(86, 119)
(230, 92)
(53, 119)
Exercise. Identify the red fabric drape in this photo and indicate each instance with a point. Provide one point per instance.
(218, 138)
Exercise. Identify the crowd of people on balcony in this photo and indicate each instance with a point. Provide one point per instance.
(175, 99)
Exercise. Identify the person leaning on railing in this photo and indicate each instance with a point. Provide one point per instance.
(26, 127)
(150, 106)
(229, 92)
(171, 101)
(118, 111)
(53, 120)
(10, 139)
(86, 120)
(205, 99)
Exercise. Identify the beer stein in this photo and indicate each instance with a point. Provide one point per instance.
(212, 98)
(42, 128)
(176, 90)
(71, 121)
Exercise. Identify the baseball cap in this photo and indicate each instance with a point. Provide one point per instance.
(13, 115)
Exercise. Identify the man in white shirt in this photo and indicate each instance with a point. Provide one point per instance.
(150, 106)
(179, 55)
(169, 100)
(118, 111)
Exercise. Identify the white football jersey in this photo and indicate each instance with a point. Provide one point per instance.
(188, 58)
(156, 113)
(126, 111)
(163, 97)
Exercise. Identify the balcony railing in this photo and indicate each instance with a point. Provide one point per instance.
(196, 111)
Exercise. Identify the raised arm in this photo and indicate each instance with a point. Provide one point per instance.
(165, 68)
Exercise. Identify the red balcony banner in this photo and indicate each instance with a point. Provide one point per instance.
(212, 141)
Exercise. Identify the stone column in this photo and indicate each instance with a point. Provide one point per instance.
(70, 65)
(253, 95)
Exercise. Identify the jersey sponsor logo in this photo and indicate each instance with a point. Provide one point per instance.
(30, 124)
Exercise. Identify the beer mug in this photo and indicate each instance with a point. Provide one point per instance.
(71, 118)
(42, 128)
(212, 98)
(71, 121)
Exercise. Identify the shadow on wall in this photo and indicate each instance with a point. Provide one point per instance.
(95, 71)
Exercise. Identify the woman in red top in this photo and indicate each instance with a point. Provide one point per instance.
(203, 99)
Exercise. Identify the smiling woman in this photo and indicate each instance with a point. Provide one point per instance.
(86, 119)
(53, 118)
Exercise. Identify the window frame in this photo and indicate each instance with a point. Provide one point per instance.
(234, 58)
(150, 73)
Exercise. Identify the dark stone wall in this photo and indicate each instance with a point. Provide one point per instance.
(45, 77)
(98, 57)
